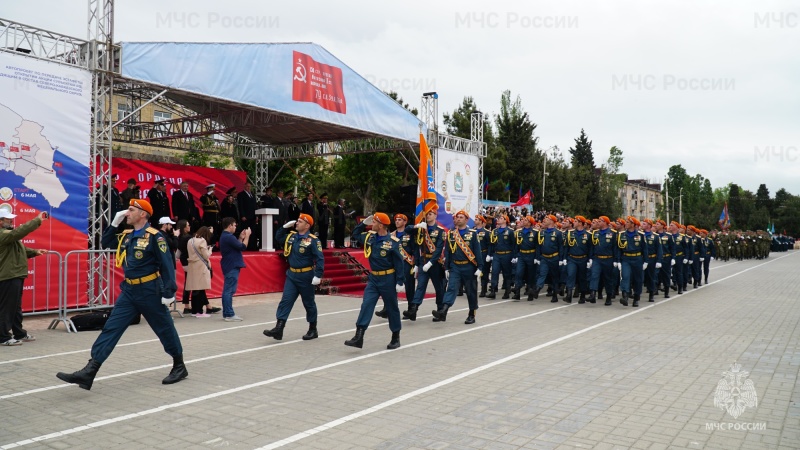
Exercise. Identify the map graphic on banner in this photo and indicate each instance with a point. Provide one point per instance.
(45, 117)
(458, 182)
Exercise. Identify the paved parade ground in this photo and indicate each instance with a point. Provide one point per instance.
(526, 375)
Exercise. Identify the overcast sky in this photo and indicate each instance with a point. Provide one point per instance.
(714, 86)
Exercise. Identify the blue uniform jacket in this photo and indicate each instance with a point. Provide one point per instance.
(654, 249)
(483, 238)
(383, 252)
(551, 244)
(579, 243)
(143, 252)
(437, 236)
(408, 245)
(501, 240)
(605, 245)
(302, 250)
(632, 244)
(667, 247)
(525, 242)
(455, 253)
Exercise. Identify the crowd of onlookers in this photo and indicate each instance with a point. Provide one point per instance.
(515, 213)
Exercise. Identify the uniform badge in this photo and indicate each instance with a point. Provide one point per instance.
(138, 254)
(383, 252)
(552, 238)
(319, 246)
(142, 242)
(162, 246)
(302, 250)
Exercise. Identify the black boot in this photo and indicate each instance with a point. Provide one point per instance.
(608, 300)
(635, 301)
(470, 317)
(395, 342)
(483, 291)
(582, 300)
(516, 294)
(592, 297)
(277, 332)
(382, 313)
(178, 371)
(312, 332)
(555, 297)
(624, 299)
(411, 314)
(561, 289)
(650, 297)
(568, 297)
(461, 291)
(84, 377)
(507, 293)
(440, 315)
(492, 293)
(358, 339)
(535, 292)
(577, 294)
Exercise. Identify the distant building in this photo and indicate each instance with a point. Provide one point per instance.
(641, 199)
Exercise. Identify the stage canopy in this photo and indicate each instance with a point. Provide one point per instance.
(302, 92)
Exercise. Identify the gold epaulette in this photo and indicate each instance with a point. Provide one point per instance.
(126, 231)
(152, 231)
(311, 235)
(395, 238)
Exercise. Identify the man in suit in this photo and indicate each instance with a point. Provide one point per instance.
(339, 221)
(307, 207)
(159, 201)
(267, 200)
(247, 212)
(323, 219)
(183, 206)
(292, 210)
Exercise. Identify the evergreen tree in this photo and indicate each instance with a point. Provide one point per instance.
(582, 152)
(515, 133)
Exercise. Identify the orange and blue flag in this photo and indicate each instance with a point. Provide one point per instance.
(426, 186)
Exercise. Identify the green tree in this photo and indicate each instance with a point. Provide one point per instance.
(204, 153)
(762, 199)
(582, 152)
(515, 133)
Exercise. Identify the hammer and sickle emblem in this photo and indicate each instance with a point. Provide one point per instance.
(300, 71)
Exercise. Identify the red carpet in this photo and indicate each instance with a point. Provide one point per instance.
(346, 273)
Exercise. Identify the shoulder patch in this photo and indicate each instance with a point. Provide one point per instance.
(127, 231)
(395, 238)
(311, 235)
(152, 230)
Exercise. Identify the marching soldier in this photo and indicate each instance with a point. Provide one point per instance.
(654, 258)
(148, 289)
(565, 226)
(462, 266)
(306, 266)
(606, 256)
(385, 279)
(525, 254)
(711, 253)
(698, 255)
(579, 259)
(680, 255)
(551, 255)
(429, 259)
(501, 247)
(483, 238)
(633, 249)
(668, 255)
(408, 248)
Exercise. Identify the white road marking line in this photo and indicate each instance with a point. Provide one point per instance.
(453, 379)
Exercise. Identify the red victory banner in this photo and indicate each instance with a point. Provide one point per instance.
(318, 83)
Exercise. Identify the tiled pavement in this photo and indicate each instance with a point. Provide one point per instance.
(527, 375)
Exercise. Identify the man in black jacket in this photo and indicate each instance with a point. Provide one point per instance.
(339, 221)
(247, 215)
(159, 201)
(184, 207)
(323, 219)
(308, 208)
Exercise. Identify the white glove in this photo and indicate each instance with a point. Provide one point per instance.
(564, 262)
(617, 265)
(536, 261)
(685, 260)
(672, 262)
(369, 220)
(446, 274)
(644, 266)
(513, 260)
(119, 218)
(316, 281)
(168, 301)
(702, 259)
(589, 264)
(427, 266)
(712, 258)
(399, 288)
(414, 270)
(478, 273)
(289, 224)
(488, 258)
(658, 265)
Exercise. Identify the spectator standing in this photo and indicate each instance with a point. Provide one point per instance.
(198, 273)
(307, 207)
(159, 201)
(13, 271)
(230, 207)
(247, 214)
(339, 221)
(323, 219)
(183, 206)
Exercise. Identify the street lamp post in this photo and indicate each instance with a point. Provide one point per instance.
(666, 188)
(680, 206)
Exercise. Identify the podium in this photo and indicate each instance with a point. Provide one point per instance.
(267, 227)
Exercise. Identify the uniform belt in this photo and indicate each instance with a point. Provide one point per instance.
(211, 210)
(428, 255)
(461, 262)
(633, 254)
(667, 254)
(143, 279)
(550, 255)
(604, 256)
(383, 272)
(577, 256)
(679, 254)
(525, 252)
(697, 253)
(301, 269)
(503, 253)
(652, 255)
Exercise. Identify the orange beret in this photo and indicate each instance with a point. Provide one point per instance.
(581, 218)
(648, 221)
(605, 219)
(461, 211)
(662, 222)
(675, 223)
(531, 220)
(307, 218)
(504, 216)
(480, 217)
(382, 218)
(621, 221)
(144, 205)
(552, 217)
(682, 227)
(703, 230)
(634, 220)
(431, 206)
(401, 216)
